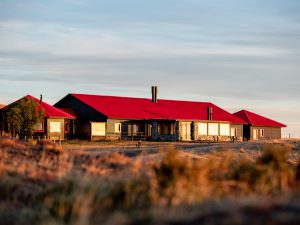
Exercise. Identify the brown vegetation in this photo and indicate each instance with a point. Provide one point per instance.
(43, 184)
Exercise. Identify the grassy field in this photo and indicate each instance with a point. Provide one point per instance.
(160, 183)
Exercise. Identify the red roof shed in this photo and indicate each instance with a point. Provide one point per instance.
(257, 120)
(50, 111)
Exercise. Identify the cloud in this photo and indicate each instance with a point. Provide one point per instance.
(55, 53)
(62, 41)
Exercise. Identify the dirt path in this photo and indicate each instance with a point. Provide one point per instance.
(128, 148)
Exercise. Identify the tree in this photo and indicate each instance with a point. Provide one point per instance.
(23, 116)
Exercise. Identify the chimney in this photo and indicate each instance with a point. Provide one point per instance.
(154, 94)
(41, 99)
(209, 113)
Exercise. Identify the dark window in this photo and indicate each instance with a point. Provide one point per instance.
(262, 132)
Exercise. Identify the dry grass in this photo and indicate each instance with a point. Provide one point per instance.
(42, 183)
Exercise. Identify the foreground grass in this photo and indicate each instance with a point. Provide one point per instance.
(43, 184)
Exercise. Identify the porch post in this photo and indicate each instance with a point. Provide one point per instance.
(193, 131)
(154, 130)
(177, 131)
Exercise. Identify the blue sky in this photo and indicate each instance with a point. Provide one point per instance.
(234, 53)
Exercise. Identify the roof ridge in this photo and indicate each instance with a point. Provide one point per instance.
(159, 99)
(246, 113)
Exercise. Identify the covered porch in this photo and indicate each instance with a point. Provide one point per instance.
(156, 130)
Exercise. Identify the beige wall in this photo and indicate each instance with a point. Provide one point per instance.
(269, 132)
(110, 131)
(239, 128)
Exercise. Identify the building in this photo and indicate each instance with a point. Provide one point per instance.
(258, 127)
(2, 106)
(57, 123)
(111, 117)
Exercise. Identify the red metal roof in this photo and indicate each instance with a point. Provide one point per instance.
(143, 108)
(50, 111)
(257, 120)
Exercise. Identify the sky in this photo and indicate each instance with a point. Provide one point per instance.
(238, 54)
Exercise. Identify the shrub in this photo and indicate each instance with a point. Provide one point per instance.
(88, 188)
(275, 156)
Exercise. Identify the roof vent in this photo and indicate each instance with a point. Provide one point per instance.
(154, 94)
(41, 99)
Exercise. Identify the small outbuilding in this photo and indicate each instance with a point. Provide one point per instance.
(56, 125)
(258, 127)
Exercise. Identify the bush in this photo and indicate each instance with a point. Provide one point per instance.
(89, 188)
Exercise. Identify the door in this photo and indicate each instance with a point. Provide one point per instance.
(186, 131)
(255, 134)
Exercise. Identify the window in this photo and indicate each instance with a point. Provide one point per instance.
(166, 129)
(224, 129)
(117, 127)
(133, 129)
(55, 127)
(136, 128)
(98, 129)
(202, 128)
(39, 127)
(262, 132)
(213, 129)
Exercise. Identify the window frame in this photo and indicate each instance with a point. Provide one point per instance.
(42, 130)
(119, 126)
(262, 132)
